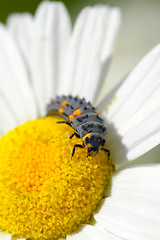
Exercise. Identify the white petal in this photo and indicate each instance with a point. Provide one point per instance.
(14, 83)
(21, 26)
(112, 27)
(5, 236)
(135, 113)
(106, 100)
(7, 120)
(114, 143)
(18, 239)
(133, 210)
(89, 232)
(71, 55)
(90, 49)
(51, 35)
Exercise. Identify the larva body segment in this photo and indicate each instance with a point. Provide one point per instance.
(83, 118)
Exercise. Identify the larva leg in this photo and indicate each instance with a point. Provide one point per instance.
(74, 134)
(106, 150)
(68, 123)
(76, 145)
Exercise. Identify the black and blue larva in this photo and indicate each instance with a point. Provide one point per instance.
(84, 119)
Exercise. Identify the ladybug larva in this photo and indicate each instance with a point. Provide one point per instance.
(84, 119)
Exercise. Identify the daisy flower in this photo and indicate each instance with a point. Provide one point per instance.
(46, 194)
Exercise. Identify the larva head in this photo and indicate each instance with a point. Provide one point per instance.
(94, 142)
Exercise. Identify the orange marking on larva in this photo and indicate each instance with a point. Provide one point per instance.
(64, 103)
(60, 110)
(87, 135)
(71, 117)
(77, 112)
(97, 112)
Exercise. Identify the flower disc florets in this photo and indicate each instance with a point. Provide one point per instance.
(46, 194)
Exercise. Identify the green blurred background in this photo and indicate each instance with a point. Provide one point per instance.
(139, 33)
(74, 6)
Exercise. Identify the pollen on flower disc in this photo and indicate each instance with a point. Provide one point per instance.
(44, 193)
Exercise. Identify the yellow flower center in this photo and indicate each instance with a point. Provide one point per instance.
(44, 193)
